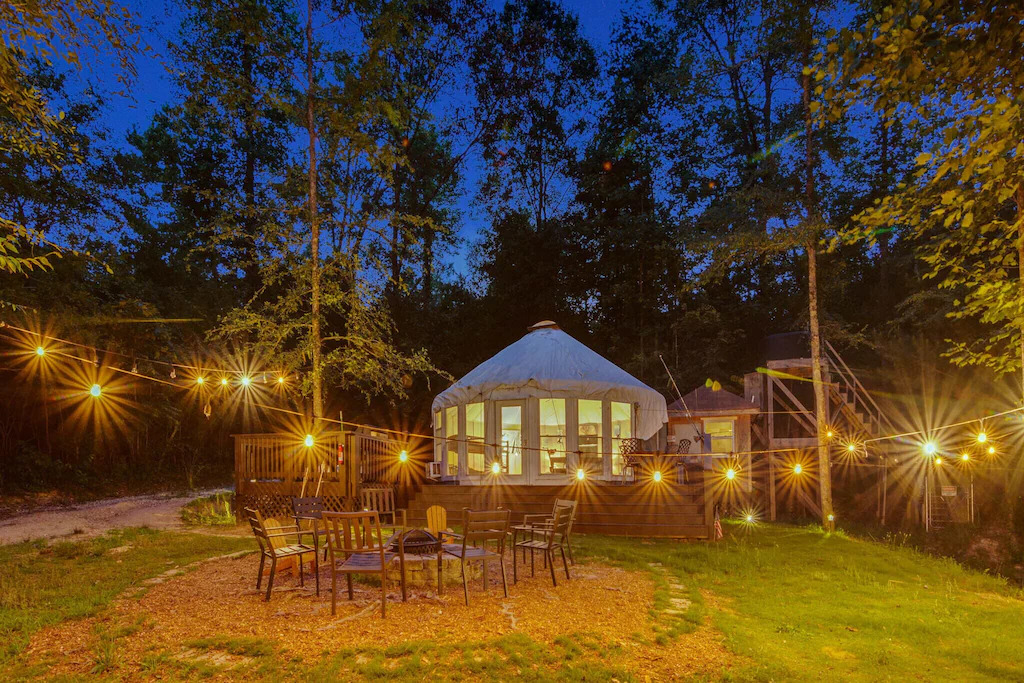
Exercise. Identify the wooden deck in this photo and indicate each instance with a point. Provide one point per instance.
(665, 510)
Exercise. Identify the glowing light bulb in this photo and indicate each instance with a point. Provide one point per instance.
(750, 518)
(930, 448)
(223, 381)
(938, 461)
(40, 351)
(991, 450)
(730, 473)
(829, 434)
(95, 390)
(280, 380)
(798, 468)
(200, 380)
(308, 441)
(965, 457)
(657, 475)
(982, 437)
(246, 380)
(831, 517)
(495, 467)
(403, 456)
(580, 474)
(851, 447)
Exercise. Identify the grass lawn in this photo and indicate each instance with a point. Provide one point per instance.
(42, 584)
(790, 603)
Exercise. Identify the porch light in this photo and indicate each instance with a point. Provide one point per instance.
(580, 474)
(403, 456)
(657, 475)
(308, 441)
(495, 467)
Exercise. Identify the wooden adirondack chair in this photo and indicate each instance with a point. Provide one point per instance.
(437, 524)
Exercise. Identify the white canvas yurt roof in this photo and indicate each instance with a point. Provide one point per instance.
(548, 363)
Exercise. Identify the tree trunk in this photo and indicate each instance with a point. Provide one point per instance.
(1019, 196)
(824, 466)
(314, 222)
(249, 178)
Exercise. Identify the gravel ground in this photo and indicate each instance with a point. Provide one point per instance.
(158, 511)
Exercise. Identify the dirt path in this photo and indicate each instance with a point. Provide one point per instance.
(158, 511)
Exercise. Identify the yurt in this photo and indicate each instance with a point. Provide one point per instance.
(539, 412)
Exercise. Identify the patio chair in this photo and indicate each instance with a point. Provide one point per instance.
(310, 510)
(481, 526)
(270, 548)
(382, 500)
(356, 545)
(546, 520)
(554, 538)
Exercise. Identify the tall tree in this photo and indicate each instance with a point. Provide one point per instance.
(965, 201)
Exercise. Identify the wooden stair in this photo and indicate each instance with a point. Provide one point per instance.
(665, 510)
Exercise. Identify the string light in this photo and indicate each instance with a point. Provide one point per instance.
(798, 468)
(829, 434)
(730, 474)
(581, 475)
(991, 450)
(280, 380)
(657, 475)
(938, 460)
(40, 351)
(750, 518)
(95, 390)
(200, 380)
(223, 381)
(831, 517)
(930, 448)
(246, 380)
(851, 447)
(965, 457)
(403, 456)
(309, 441)
(982, 437)
(495, 467)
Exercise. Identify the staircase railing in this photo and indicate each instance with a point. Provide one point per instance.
(861, 400)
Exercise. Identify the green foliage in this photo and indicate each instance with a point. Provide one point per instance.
(212, 510)
(964, 201)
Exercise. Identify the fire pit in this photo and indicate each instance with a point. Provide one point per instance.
(421, 549)
(416, 541)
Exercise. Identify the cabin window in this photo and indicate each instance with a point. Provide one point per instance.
(512, 439)
(722, 434)
(622, 428)
(475, 438)
(552, 436)
(590, 420)
(451, 419)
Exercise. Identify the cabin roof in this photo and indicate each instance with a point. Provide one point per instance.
(705, 401)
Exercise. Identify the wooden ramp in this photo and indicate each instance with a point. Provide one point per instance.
(666, 510)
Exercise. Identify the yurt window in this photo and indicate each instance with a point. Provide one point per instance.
(475, 438)
(512, 439)
(622, 428)
(451, 425)
(438, 436)
(590, 420)
(552, 436)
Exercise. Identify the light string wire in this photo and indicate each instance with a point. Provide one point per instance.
(96, 362)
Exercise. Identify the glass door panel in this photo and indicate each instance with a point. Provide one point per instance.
(511, 455)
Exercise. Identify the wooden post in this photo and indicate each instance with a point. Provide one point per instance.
(771, 486)
(885, 487)
(709, 502)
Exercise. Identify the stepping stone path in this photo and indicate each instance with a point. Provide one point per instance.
(678, 596)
